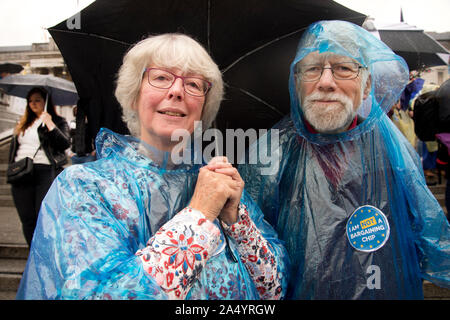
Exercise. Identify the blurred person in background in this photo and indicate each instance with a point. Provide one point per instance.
(43, 136)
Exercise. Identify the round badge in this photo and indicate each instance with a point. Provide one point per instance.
(367, 229)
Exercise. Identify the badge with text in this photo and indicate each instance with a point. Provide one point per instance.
(367, 229)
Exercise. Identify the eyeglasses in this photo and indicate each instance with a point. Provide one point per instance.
(340, 71)
(164, 79)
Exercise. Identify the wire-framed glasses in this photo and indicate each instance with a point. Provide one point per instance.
(164, 79)
(340, 71)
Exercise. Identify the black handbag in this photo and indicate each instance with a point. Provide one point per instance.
(20, 170)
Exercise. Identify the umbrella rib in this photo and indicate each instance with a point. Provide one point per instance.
(438, 44)
(208, 27)
(89, 34)
(269, 43)
(262, 47)
(260, 100)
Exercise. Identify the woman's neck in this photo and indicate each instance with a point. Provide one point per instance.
(37, 115)
(158, 142)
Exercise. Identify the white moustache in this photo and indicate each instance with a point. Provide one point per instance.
(321, 96)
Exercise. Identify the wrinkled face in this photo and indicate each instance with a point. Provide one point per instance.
(162, 111)
(36, 103)
(329, 104)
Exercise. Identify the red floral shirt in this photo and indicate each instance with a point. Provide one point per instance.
(180, 249)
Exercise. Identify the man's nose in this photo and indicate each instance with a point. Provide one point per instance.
(177, 89)
(327, 81)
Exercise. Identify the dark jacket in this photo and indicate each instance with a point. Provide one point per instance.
(54, 142)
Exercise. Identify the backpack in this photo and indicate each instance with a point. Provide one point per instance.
(443, 98)
(426, 116)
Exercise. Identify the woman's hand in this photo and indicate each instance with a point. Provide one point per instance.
(212, 192)
(47, 120)
(229, 213)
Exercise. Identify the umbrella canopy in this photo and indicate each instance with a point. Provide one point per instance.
(63, 92)
(10, 68)
(252, 41)
(415, 46)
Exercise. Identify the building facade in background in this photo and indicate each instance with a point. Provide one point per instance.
(37, 58)
(437, 75)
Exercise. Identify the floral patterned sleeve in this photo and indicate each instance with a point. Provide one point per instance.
(255, 252)
(177, 253)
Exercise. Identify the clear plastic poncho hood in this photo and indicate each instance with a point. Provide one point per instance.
(324, 181)
(389, 73)
(96, 216)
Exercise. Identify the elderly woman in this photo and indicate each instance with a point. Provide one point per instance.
(135, 225)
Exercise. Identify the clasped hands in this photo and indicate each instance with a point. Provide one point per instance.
(218, 191)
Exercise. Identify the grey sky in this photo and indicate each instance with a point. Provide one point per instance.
(24, 21)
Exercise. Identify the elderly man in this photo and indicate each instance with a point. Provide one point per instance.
(349, 197)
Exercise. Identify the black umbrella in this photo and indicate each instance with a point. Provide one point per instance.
(415, 46)
(10, 68)
(253, 42)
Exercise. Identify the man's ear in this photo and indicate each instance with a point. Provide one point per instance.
(298, 84)
(368, 87)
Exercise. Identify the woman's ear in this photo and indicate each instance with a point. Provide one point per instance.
(135, 102)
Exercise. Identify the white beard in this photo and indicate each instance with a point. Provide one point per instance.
(332, 118)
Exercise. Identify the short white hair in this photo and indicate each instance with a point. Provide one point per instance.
(171, 50)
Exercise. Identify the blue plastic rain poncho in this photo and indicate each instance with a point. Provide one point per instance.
(353, 208)
(96, 216)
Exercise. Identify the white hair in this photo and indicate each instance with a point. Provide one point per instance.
(169, 50)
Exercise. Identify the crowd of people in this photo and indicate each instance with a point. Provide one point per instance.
(347, 214)
(423, 116)
(402, 114)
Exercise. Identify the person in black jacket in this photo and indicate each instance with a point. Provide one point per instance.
(43, 136)
(443, 98)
